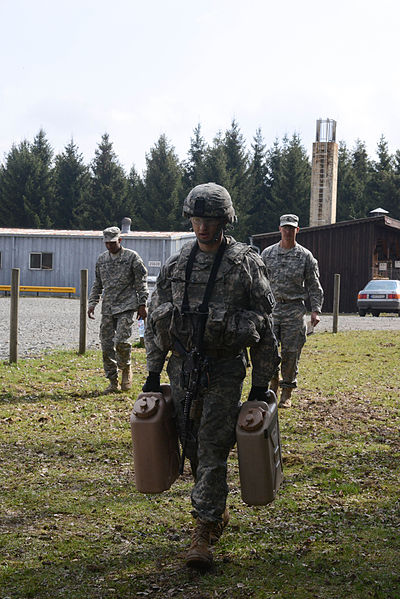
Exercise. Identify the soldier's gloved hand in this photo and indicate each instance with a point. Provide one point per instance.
(258, 393)
(152, 382)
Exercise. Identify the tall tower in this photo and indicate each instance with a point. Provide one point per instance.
(324, 175)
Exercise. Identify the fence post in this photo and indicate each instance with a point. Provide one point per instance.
(336, 298)
(14, 315)
(83, 311)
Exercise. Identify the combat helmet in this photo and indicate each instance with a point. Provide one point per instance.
(209, 199)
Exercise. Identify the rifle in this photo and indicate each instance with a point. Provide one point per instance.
(193, 370)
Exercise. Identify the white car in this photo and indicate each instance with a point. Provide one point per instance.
(379, 295)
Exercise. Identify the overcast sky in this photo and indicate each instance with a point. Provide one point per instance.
(137, 69)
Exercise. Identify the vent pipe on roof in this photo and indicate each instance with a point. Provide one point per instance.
(126, 225)
(378, 212)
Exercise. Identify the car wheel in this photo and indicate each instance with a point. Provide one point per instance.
(375, 313)
(363, 312)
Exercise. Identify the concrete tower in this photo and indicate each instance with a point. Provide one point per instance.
(324, 175)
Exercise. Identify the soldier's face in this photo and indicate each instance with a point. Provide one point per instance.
(206, 229)
(288, 233)
(113, 246)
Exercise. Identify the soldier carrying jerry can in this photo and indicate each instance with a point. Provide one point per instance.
(212, 301)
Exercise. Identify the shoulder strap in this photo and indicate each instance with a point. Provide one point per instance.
(203, 308)
(188, 272)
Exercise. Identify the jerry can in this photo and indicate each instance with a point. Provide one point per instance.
(155, 441)
(259, 450)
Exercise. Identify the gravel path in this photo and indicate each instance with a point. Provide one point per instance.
(48, 323)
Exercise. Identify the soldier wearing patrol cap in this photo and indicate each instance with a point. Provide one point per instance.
(121, 278)
(294, 276)
(237, 316)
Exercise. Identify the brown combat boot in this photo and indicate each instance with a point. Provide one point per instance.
(112, 387)
(199, 555)
(218, 527)
(126, 381)
(285, 402)
(274, 383)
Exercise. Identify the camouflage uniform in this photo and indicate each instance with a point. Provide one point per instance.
(123, 282)
(294, 276)
(238, 317)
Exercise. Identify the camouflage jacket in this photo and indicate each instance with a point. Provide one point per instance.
(293, 274)
(239, 309)
(121, 280)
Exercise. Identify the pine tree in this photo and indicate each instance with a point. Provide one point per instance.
(237, 163)
(258, 195)
(381, 188)
(290, 192)
(135, 201)
(396, 182)
(15, 180)
(193, 167)
(25, 187)
(273, 165)
(346, 184)
(106, 204)
(163, 187)
(41, 197)
(215, 163)
(71, 185)
(360, 205)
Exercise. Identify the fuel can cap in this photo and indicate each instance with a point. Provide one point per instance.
(251, 419)
(146, 406)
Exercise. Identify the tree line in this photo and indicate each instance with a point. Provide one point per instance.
(41, 190)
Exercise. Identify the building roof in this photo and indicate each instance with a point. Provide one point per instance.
(381, 220)
(93, 234)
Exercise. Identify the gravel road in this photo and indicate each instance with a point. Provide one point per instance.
(47, 323)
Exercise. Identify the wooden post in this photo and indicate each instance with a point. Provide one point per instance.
(83, 311)
(14, 315)
(336, 298)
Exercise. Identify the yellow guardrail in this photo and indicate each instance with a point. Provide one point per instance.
(40, 288)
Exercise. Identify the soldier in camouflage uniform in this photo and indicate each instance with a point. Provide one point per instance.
(294, 276)
(122, 279)
(238, 317)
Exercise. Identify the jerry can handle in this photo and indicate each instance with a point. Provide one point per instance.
(270, 396)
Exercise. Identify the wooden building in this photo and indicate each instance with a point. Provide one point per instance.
(359, 250)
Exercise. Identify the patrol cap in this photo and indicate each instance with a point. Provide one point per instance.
(289, 219)
(111, 234)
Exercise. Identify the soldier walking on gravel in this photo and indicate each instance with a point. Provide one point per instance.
(122, 279)
(219, 287)
(294, 276)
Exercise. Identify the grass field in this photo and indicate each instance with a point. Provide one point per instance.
(72, 524)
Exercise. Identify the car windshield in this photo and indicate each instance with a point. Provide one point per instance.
(378, 284)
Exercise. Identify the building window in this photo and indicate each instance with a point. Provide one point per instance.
(40, 261)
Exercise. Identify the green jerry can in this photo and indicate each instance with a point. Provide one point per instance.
(155, 442)
(259, 450)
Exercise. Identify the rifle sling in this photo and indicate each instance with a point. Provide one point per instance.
(203, 308)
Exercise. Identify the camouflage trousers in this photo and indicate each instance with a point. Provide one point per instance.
(213, 432)
(290, 328)
(115, 338)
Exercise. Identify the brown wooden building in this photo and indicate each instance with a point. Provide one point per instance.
(359, 250)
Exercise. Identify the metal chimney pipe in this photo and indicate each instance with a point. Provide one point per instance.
(126, 225)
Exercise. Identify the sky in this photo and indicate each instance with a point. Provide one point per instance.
(138, 69)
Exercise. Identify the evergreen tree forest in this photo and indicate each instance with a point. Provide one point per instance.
(39, 189)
